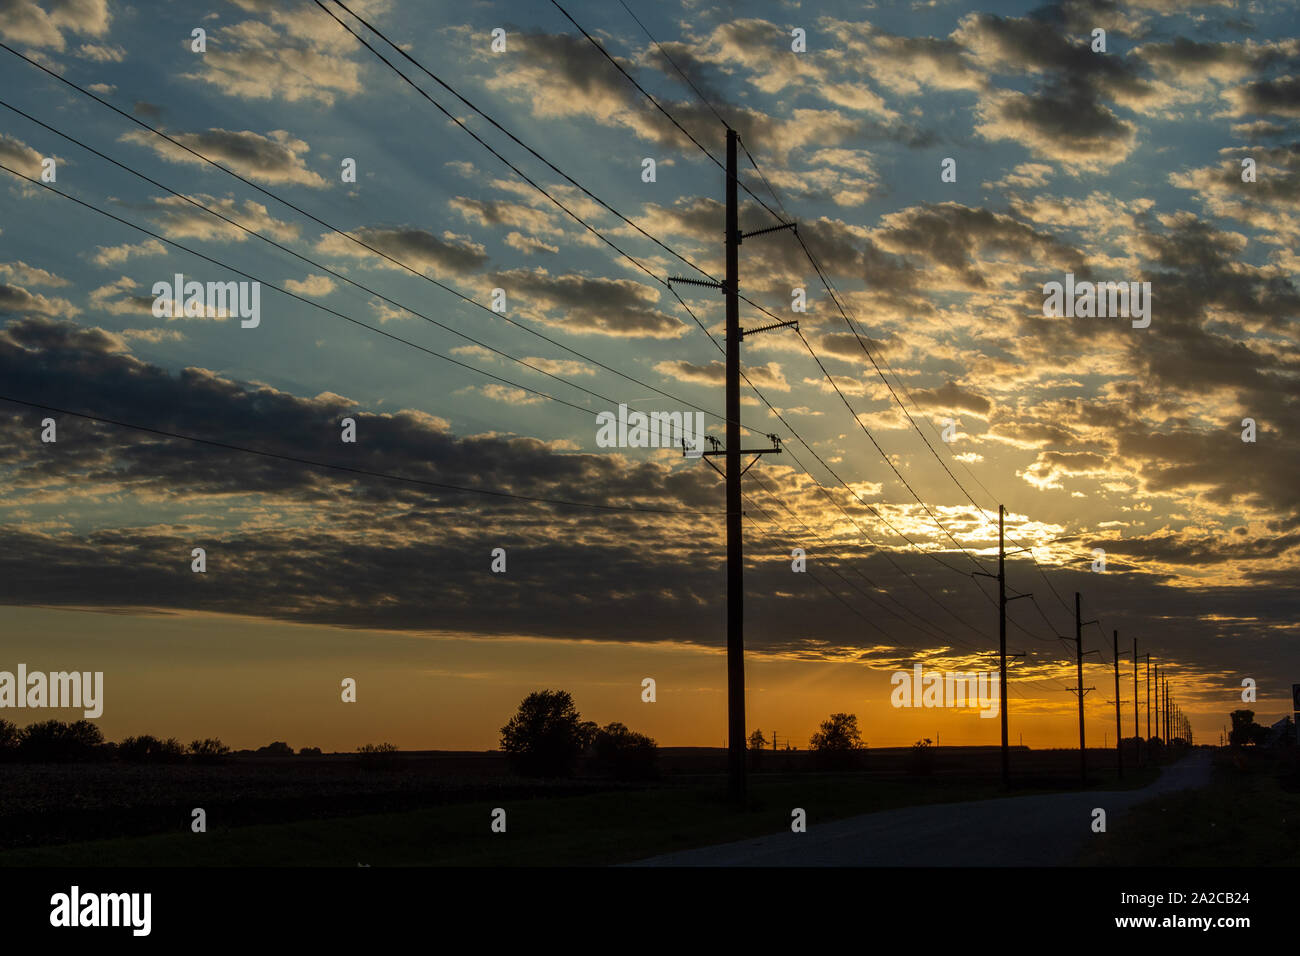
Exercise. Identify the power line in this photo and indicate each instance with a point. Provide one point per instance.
(515, 139)
(522, 175)
(293, 295)
(891, 465)
(312, 262)
(659, 106)
(870, 583)
(674, 65)
(351, 238)
(825, 280)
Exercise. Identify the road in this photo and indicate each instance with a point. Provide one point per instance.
(1043, 830)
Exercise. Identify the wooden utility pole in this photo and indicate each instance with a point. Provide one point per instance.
(1078, 656)
(1160, 735)
(1002, 638)
(1002, 647)
(736, 739)
(1148, 657)
(1168, 739)
(1119, 733)
(735, 547)
(1137, 730)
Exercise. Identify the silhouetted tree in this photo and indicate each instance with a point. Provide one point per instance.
(149, 749)
(839, 742)
(921, 761)
(55, 740)
(1244, 729)
(208, 750)
(546, 735)
(309, 752)
(756, 740)
(378, 756)
(277, 748)
(624, 753)
(9, 738)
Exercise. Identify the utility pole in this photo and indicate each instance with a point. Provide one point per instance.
(1137, 730)
(1166, 710)
(1159, 731)
(1148, 696)
(1119, 734)
(1002, 647)
(1078, 648)
(735, 543)
(1002, 638)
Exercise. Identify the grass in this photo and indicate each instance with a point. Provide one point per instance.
(1247, 813)
(599, 828)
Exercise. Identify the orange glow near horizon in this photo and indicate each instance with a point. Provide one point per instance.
(250, 681)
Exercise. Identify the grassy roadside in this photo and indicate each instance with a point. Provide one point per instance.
(601, 828)
(1245, 814)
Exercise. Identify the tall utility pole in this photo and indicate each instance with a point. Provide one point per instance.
(732, 473)
(1002, 638)
(735, 548)
(1119, 733)
(1168, 739)
(1148, 696)
(1137, 731)
(1159, 728)
(1078, 648)
(1002, 647)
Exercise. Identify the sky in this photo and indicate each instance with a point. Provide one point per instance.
(924, 387)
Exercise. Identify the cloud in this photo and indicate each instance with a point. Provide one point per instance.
(714, 373)
(952, 398)
(30, 275)
(102, 54)
(15, 300)
(23, 21)
(1276, 97)
(504, 213)
(110, 256)
(529, 245)
(442, 256)
(275, 158)
(118, 298)
(180, 219)
(300, 56)
(312, 285)
(19, 156)
(584, 304)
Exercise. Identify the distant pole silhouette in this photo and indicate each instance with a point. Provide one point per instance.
(1159, 728)
(1119, 733)
(1137, 730)
(1166, 709)
(1078, 658)
(1148, 657)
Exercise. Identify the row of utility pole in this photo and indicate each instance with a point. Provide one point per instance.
(1168, 718)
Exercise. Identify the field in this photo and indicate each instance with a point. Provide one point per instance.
(434, 808)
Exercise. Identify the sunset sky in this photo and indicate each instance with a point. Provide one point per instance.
(1119, 166)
